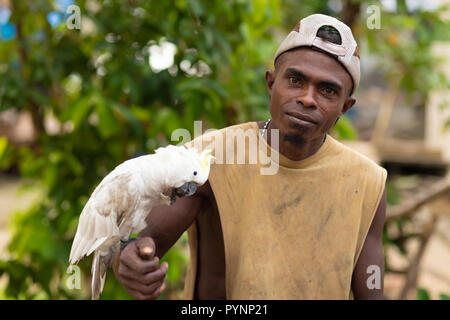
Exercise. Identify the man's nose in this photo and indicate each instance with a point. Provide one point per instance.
(306, 97)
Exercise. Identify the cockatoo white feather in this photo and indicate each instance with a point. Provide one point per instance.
(121, 202)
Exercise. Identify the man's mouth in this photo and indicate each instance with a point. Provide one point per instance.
(301, 119)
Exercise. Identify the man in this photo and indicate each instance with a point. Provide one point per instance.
(310, 231)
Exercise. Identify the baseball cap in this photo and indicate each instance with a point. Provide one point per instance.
(305, 34)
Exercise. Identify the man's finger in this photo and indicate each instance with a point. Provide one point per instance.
(133, 261)
(145, 290)
(139, 271)
(142, 296)
(146, 247)
(148, 278)
(164, 267)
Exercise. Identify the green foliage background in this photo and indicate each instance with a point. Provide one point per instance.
(112, 106)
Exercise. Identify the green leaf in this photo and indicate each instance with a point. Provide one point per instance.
(7, 154)
(422, 294)
(78, 112)
(345, 129)
(107, 123)
(393, 196)
(3, 146)
(74, 164)
(444, 296)
(129, 117)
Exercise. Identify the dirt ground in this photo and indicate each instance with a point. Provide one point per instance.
(434, 274)
(12, 198)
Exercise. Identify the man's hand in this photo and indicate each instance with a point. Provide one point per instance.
(139, 271)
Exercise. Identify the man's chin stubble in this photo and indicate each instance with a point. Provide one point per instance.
(294, 139)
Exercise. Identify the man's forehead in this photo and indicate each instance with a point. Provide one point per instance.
(314, 63)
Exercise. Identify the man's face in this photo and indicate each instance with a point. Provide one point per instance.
(309, 90)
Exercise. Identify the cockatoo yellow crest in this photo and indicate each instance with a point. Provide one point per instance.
(205, 159)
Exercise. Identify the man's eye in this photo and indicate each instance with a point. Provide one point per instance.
(293, 80)
(329, 91)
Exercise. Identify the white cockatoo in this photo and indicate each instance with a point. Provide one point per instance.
(123, 199)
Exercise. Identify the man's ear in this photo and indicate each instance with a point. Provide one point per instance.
(348, 104)
(270, 79)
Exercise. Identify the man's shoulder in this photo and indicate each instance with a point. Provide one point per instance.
(345, 151)
(236, 127)
(351, 160)
(206, 139)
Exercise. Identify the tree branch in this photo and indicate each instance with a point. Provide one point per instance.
(413, 270)
(36, 113)
(408, 207)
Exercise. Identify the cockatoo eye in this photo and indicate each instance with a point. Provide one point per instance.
(195, 173)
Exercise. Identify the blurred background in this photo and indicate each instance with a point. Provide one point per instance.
(82, 90)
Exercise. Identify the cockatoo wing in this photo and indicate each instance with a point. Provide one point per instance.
(112, 201)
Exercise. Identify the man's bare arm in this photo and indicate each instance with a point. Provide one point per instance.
(165, 224)
(371, 259)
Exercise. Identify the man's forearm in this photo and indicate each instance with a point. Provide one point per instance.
(166, 224)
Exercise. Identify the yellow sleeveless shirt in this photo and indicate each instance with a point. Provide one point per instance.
(296, 234)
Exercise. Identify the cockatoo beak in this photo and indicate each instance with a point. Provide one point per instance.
(186, 190)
